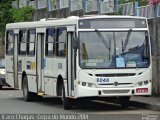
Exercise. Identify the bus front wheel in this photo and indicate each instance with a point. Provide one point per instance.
(67, 102)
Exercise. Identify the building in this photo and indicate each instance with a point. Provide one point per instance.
(64, 8)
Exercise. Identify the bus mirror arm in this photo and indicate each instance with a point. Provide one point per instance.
(75, 43)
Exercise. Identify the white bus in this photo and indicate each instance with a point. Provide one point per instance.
(88, 57)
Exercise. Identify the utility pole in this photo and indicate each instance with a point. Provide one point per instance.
(156, 41)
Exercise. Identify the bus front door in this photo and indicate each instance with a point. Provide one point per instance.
(39, 61)
(71, 64)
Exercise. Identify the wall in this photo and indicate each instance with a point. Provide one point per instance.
(154, 26)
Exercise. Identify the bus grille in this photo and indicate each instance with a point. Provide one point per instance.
(116, 75)
(117, 84)
(115, 91)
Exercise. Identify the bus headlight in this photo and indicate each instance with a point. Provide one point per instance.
(146, 82)
(90, 84)
(140, 83)
(83, 83)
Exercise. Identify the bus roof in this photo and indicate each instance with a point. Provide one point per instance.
(43, 23)
(110, 16)
(72, 20)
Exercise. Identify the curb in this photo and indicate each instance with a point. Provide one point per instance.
(145, 105)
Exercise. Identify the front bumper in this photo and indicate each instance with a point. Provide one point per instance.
(82, 91)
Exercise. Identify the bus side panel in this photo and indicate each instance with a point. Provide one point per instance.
(9, 70)
(31, 73)
(49, 77)
(21, 69)
(32, 83)
(59, 66)
(49, 86)
(53, 67)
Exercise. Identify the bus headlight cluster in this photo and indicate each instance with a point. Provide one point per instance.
(144, 82)
(86, 84)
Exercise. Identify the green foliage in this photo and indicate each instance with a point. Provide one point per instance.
(119, 12)
(5, 15)
(22, 14)
(122, 1)
(9, 14)
(141, 2)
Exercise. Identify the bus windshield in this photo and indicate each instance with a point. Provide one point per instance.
(124, 49)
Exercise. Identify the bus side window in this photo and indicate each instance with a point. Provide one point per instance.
(22, 42)
(50, 42)
(31, 42)
(9, 42)
(61, 44)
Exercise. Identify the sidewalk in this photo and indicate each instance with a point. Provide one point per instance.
(152, 103)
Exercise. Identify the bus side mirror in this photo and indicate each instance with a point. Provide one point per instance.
(75, 43)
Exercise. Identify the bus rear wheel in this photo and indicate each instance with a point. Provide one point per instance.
(67, 102)
(28, 96)
(0, 87)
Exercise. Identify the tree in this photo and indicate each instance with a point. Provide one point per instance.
(9, 15)
(5, 15)
(22, 14)
(154, 2)
(141, 2)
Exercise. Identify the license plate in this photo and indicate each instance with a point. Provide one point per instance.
(142, 90)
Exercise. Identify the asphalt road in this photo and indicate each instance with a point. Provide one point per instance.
(11, 102)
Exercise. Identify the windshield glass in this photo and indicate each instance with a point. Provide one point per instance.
(114, 49)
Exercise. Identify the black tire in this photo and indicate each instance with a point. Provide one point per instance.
(124, 101)
(28, 96)
(67, 102)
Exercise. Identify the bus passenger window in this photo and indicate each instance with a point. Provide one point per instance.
(31, 42)
(9, 42)
(50, 39)
(61, 47)
(22, 42)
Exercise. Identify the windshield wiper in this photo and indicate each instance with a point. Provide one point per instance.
(107, 44)
(126, 41)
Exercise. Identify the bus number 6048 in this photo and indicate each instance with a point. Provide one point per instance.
(102, 80)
